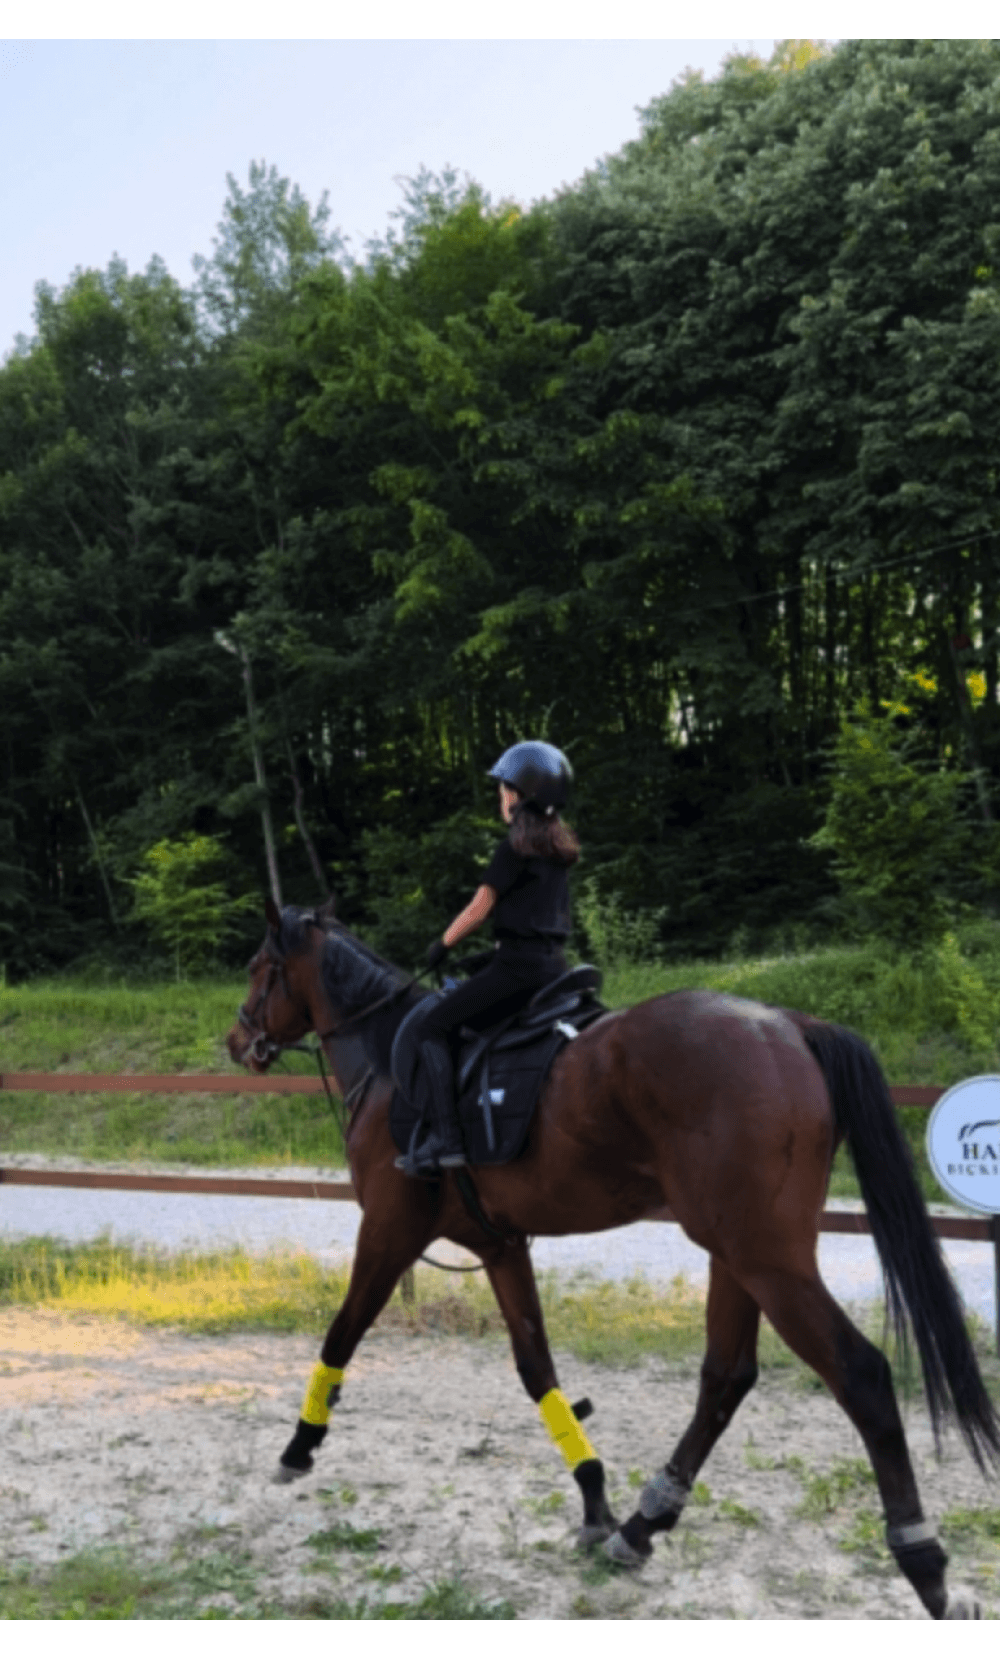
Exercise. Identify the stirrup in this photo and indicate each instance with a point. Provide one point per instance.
(414, 1170)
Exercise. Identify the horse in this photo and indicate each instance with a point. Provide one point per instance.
(720, 1113)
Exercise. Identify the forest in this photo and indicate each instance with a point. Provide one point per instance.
(691, 469)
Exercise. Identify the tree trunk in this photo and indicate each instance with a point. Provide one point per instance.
(99, 861)
(307, 840)
(258, 766)
(969, 732)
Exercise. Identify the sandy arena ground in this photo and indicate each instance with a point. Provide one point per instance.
(164, 1444)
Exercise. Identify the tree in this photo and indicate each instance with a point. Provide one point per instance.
(894, 828)
(185, 910)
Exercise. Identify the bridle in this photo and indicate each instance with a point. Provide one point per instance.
(263, 1048)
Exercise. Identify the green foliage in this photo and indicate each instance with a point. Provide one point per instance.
(824, 1493)
(893, 827)
(926, 1017)
(613, 937)
(344, 1536)
(167, 1027)
(672, 468)
(14, 907)
(747, 1518)
(184, 910)
(97, 1583)
(972, 1004)
(450, 1599)
(105, 1583)
(416, 883)
(971, 1525)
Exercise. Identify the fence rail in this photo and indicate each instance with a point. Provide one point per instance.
(134, 1082)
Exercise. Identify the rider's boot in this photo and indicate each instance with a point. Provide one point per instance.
(442, 1147)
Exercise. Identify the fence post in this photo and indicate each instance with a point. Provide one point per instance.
(407, 1289)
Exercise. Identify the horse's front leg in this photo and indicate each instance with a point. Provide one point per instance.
(512, 1277)
(389, 1241)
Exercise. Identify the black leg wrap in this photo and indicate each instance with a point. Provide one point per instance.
(923, 1564)
(308, 1437)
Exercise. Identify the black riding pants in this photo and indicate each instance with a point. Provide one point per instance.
(504, 987)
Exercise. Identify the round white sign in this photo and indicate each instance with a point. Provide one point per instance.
(963, 1143)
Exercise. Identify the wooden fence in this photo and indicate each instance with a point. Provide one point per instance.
(985, 1230)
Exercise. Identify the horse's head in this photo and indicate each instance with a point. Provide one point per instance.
(278, 1008)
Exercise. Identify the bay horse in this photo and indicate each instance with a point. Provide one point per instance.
(721, 1113)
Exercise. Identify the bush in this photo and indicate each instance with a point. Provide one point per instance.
(615, 936)
(183, 909)
(415, 884)
(894, 827)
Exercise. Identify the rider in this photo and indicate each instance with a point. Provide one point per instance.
(526, 890)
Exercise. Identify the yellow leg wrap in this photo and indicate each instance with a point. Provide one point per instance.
(319, 1394)
(557, 1414)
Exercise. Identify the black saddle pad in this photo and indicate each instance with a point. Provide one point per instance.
(502, 1075)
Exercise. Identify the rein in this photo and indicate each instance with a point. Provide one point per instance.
(264, 1050)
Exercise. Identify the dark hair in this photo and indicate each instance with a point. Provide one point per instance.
(533, 835)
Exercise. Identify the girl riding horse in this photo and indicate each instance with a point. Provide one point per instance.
(526, 891)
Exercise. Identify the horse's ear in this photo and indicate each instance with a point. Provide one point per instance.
(273, 914)
(327, 911)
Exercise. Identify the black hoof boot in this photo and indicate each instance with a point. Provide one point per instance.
(296, 1459)
(598, 1520)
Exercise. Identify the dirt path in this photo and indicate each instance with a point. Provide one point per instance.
(163, 1444)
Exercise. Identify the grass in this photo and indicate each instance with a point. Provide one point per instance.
(110, 1584)
(230, 1290)
(971, 1525)
(448, 1602)
(615, 1324)
(824, 1493)
(930, 1020)
(64, 1026)
(345, 1536)
(96, 1584)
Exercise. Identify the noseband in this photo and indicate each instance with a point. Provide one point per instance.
(263, 1049)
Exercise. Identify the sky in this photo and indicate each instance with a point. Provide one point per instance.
(123, 146)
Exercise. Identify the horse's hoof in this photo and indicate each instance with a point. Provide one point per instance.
(588, 1537)
(962, 1605)
(283, 1475)
(623, 1554)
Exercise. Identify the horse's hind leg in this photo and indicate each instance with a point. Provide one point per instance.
(513, 1281)
(386, 1246)
(806, 1316)
(728, 1373)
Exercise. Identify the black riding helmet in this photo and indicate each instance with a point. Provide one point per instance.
(539, 772)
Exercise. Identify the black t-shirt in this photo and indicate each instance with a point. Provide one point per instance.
(532, 896)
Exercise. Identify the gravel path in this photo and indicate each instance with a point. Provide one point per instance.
(328, 1230)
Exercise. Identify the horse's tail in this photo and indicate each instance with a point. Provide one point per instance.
(917, 1281)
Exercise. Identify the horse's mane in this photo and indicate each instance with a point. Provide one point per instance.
(355, 978)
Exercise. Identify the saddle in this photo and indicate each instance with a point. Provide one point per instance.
(500, 1072)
